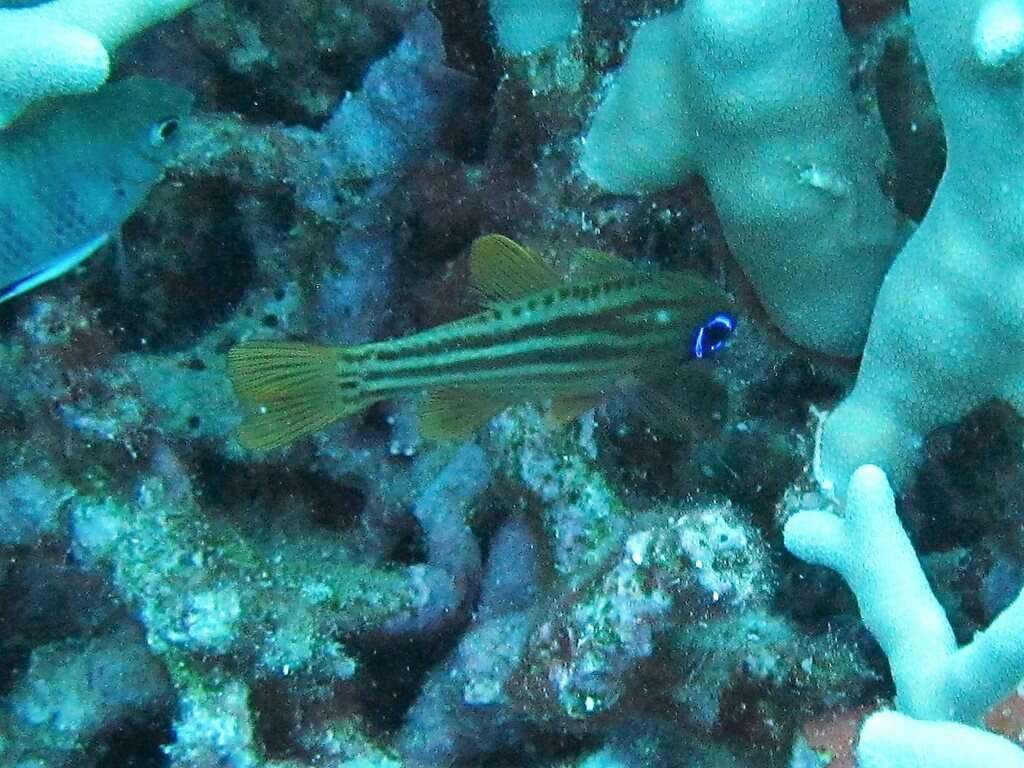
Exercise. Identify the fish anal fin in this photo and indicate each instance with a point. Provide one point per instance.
(589, 264)
(454, 413)
(502, 270)
(569, 408)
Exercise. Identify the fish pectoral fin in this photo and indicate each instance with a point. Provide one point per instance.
(454, 413)
(589, 264)
(571, 407)
(662, 413)
(691, 401)
(502, 270)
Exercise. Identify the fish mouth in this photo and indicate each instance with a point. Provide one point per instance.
(127, 179)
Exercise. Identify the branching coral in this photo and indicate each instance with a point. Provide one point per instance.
(725, 90)
(935, 680)
(947, 333)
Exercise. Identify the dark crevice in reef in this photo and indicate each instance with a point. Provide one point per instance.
(912, 123)
(48, 599)
(137, 744)
(275, 721)
(44, 599)
(860, 16)
(9, 314)
(394, 672)
(641, 458)
(468, 42)
(13, 661)
(968, 483)
(468, 38)
(518, 137)
(267, 490)
(786, 395)
(250, 97)
(409, 546)
(188, 263)
(542, 748)
(613, 22)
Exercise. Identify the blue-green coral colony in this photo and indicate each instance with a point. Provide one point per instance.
(604, 352)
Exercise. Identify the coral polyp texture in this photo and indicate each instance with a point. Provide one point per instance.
(758, 553)
(947, 333)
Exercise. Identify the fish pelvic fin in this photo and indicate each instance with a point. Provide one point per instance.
(690, 402)
(501, 269)
(291, 389)
(570, 407)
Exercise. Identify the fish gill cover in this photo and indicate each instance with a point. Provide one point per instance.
(608, 259)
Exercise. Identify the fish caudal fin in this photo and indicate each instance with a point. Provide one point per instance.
(290, 390)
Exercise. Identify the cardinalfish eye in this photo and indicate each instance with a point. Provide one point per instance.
(712, 335)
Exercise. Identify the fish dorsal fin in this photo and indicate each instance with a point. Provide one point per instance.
(454, 413)
(589, 264)
(570, 407)
(502, 270)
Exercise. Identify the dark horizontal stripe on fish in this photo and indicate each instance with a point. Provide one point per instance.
(510, 370)
(579, 347)
(572, 316)
(625, 321)
(534, 378)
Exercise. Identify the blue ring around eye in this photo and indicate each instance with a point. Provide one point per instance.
(712, 335)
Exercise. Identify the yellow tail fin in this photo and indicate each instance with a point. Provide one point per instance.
(290, 390)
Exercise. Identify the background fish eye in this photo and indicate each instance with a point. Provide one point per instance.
(163, 131)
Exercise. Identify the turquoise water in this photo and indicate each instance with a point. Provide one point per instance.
(610, 588)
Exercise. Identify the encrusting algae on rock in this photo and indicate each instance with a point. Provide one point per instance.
(540, 337)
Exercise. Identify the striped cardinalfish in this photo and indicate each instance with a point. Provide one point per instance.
(540, 337)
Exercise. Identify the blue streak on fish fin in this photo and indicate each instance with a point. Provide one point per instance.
(589, 264)
(502, 270)
(569, 408)
(454, 413)
(56, 268)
